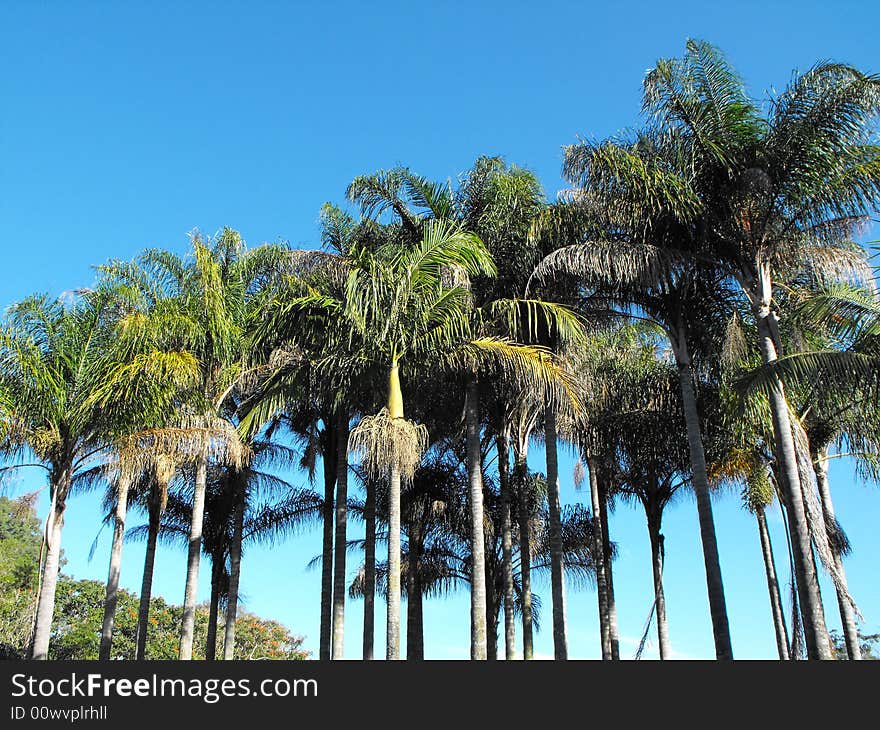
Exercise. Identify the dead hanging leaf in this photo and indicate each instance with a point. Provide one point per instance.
(383, 442)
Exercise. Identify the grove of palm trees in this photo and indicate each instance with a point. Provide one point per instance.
(694, 318)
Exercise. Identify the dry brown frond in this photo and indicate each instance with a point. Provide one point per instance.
(579, 474)
(308, 263)
(192, 439)
(735, 344)
(815, 515)
(383, 442)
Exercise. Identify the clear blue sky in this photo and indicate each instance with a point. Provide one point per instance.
(125, 125)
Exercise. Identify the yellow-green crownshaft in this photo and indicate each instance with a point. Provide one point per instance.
(395, 394)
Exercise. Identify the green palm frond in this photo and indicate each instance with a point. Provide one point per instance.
(849, 313)
(703, 93)
(844, 370)
(539, 321)
(638, 181)
(616, 264)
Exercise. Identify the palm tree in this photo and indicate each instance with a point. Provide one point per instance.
(436, 553)
(137, 456)
(320, 383)
(500, 202)
(842, 416)
(832, 387)
(779, 192)
(523, 417)
(244, 486)
(67, 382)
(138, 447)
(369, 569)
(158, 480)
(394, 307)
(653, 467)
(497, 203)
(630, 220)
(409, 300)
(243, 506)
(619, 353)
(751, 466)
(599, 500)
(434, 318)
(204, 304)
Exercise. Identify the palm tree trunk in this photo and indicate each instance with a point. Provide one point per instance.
(493, 612)
(601, 557)
(609, 572)
(492, 619)
(506, 546)
(112, 593)
(410, 592)
(188, 622)
(812, 613)
(557, 570)
(796, 647)
(46, 601)
(659, 597)
(147, 581)
(711, 561)
(773, 586)
(392, 629)
(214, 609)
(392, 622)
(847, 616)
(234, 574)
(415, 632)
(475, 480)
(415, 643)
(340, 539)
(369, 569)
(491, 608)
(520, 471)
(329, 467)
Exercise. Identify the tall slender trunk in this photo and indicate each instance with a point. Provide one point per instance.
(475, 481)
(415, 644)
(415, 632)
(392, 622)
(520, 471)
(812, 613)
(773, 586)
(557, 570)
(369, 569)
(796, 647)
(506, 545)
(609, 572)
(112, 593)
(711, 561)
(492, 622)
(214, 609)
(491, 608)
(46, 601)
(847, 616)
(155, 517)
(234, 572)
(601, 558)
(813, 559)
(341, 539)
(392, 629)
(657, 569)
(491, 613)
(327, 514)
(188, 622)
